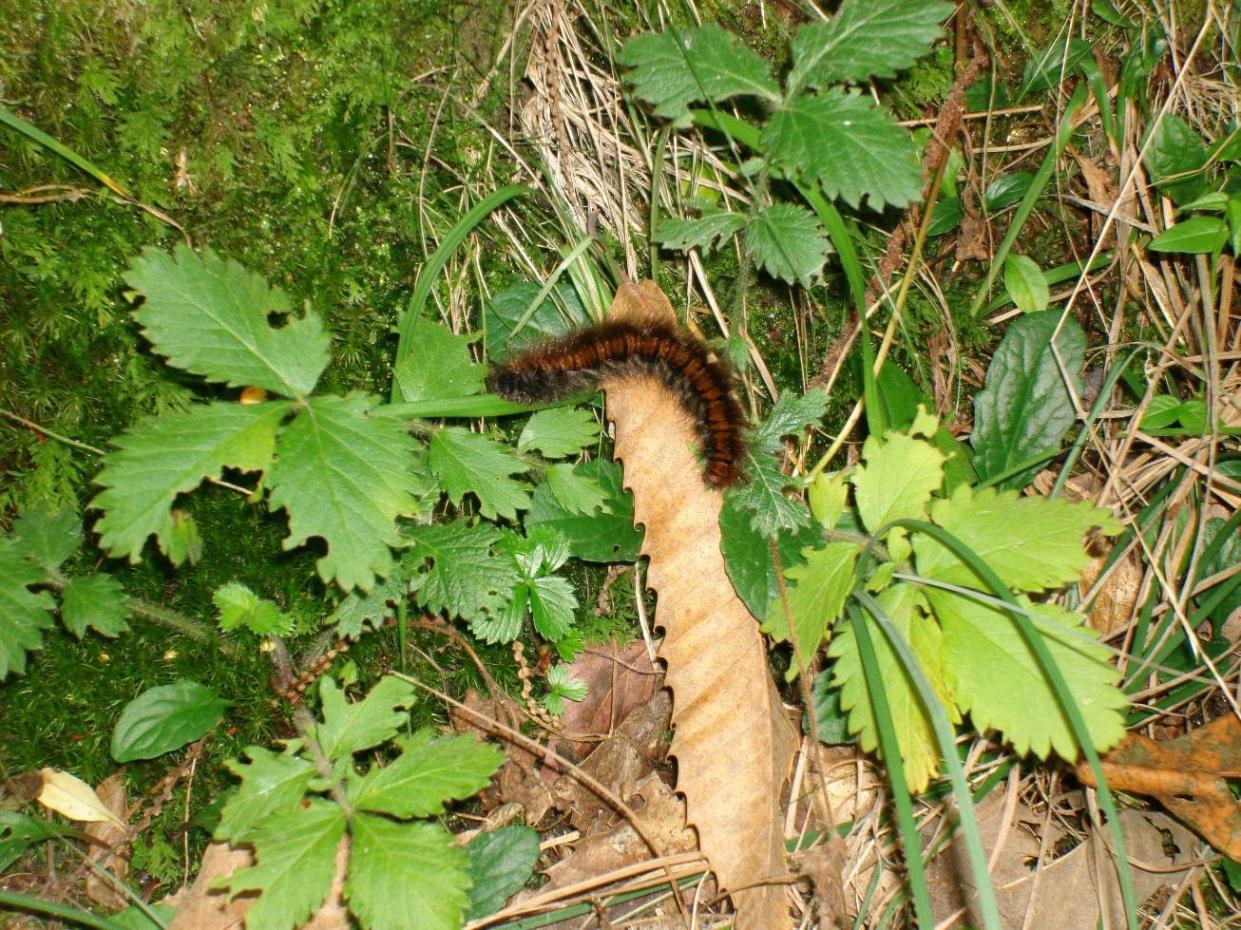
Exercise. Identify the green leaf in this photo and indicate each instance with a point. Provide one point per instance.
(946, 217)
(997, 679)
(439, 364)
(763, 495)
(1024, 281)
(500, 864)
(164, 457)
(357, 610)
(902, 604)
(671, 71)
(210, 316)
(296, 853)
(48, 538)
(344, 476)
(560, 312)
(1057, 61)
(553, 604)
(865, 38)
(184, 542)
(1198, 235)
(559, 432)
(23, 613)
(239, 606)
(574, 491)
(96, 601)
(816, 597)
(608, 535)
(707, 232)
(747, 556)
(847, 144)
(465, 462)
(350, 727)
(1032, 543)
(1175, 158)
(135, 918)
(428, 773)
(792, 415)
(405, 875)
(165, 718)
(21, 831)
(270, 783)
(461, 577)
(832, 720)
(899, 475)
(1025, 409)
(564, 686)
(786, 241)
(1007, 190)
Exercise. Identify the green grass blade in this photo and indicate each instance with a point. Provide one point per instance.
(1064, 132)
(430, 271)
(29, 904)
(31, 131)
(946, 738)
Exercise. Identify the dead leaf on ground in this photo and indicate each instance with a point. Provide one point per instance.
(1062, 893)
(106, 849)
(731, 739)
(617, 680)
(1187, 775)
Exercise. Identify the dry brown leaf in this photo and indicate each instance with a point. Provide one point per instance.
(106, 849)
(200, 907)
(731, 739)
(617, 681)
(1187, 775)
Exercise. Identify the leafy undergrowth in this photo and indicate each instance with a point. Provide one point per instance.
(266, 536)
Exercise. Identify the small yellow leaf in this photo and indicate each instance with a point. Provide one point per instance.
(68, 795)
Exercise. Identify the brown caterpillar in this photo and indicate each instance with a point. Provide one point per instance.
(581, 360)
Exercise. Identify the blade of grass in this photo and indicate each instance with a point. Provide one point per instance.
(430, 271)
(29, 904)
(33, 132)
(1064, 132)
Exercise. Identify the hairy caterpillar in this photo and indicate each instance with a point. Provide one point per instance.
(620, 349)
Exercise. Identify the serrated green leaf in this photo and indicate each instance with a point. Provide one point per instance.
(438, 365)
(23, 614)
(553, 604)
(706, 232)
(853, 148)
(405, 875)
(786, 241)
(562, 682)
(95, 601)
(1198, 235)
(748, 559)
(574, 491)
(791, 416)
(1025, 409)
(460, 575)
(350, 727)
(48, 538)
(897, 479)
(296, 861)
(239, 606)
(865, 38)
(210, 316)
(165, 718)
(344, 476)
(816, 596)
(1032, 543)
(270, 783)
(607, 535)
(357, 610)
(500, 864)
(428, 773)
(465, 463)
(559, 432)
(901, 604)
(164, 457)
(1025, 283)
(827, 497)
(559, 313)
(763, 495)
(997, 679)
(670, 71)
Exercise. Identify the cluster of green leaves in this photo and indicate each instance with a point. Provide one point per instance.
(823, 138)
(347, 470)
(31, 557)
(295, 806)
